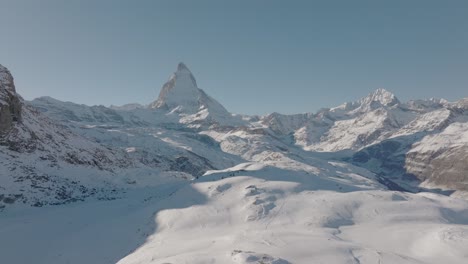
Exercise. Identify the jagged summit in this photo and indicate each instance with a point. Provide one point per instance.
(180, 90)
(376, 99)
(381, 96)
(182, 67)
(180, 94)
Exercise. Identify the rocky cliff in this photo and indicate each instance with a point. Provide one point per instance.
(10, 101)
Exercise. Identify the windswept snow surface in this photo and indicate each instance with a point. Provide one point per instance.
(251, 213)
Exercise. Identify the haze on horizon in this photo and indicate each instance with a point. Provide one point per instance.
(254, 57)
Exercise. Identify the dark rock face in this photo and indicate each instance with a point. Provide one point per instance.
(10, 102)
(387, 159)
(445, 167)
(412, 159)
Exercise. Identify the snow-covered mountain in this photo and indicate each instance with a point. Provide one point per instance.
(183, 180)
(441, 158)
(181, 96)
(45, 162)
(362, 129)
(381, 134)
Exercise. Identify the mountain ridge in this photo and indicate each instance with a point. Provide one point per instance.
(378, 180)
(354, 126)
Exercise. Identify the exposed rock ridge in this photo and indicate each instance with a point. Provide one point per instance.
(10, 102)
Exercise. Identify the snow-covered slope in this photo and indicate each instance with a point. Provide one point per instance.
(264, 216)
(184, 111)
(185, 181)
(407, 156)
(440, 159)
(150, 136)
(44, 162)
(251, 213)
(127, 107)
(354, 125)
(382, 131)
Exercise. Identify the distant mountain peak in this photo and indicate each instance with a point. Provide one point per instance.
(180, 94)
(381, 96)
(180, 90)
(182, 67)
(376, 99)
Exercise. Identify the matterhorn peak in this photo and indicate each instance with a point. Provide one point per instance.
(180, 90)
(182, 67)
(180, 94)
(183, 70)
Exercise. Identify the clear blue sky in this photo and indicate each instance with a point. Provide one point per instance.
(254, 57)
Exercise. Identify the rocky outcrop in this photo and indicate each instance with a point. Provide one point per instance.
(447, 168)
(10, 102)
(440, 159)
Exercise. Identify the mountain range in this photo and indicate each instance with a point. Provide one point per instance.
(373, 162)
